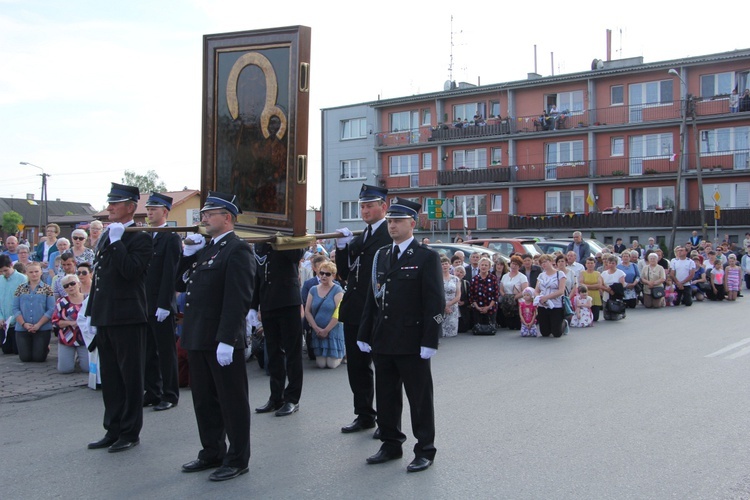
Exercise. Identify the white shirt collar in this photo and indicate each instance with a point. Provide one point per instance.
(403, 245)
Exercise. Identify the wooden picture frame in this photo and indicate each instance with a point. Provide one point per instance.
(255, 125)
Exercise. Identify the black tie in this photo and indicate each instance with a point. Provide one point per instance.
(394, 255)
(368, 232)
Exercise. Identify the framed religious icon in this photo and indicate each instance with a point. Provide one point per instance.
(255, 125)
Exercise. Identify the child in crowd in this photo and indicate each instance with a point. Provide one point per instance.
(583, 316)
(670, 294)
(732, 277)
(717, 281)
(527, 311)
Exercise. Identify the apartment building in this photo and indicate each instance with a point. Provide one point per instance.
(613, 151)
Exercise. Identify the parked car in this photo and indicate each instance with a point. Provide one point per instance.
(509, 246)
(552, 246)
(450, 248)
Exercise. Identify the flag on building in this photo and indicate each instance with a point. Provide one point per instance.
(590, 199)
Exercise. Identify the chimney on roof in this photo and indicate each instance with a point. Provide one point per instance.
(609, 45)
(29, 196)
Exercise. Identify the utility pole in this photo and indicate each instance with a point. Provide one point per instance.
(698, 167)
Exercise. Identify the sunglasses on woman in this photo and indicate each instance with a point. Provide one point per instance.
(82, 273)
(80, 238)
(70, 284)
(323, 273)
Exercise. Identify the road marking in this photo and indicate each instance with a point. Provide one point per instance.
(730, 347)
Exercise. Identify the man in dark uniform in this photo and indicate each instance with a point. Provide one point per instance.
(161, 380)
(218, 283)
(401, 326)
(277, 296)
(354, 261)
(117, 307)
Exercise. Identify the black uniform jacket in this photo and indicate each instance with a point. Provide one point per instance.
(118, 294)
(218, 284)
(410, 310)
(277, 280)
(354, 264)
(160, 279)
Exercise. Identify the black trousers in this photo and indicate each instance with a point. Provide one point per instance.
(121, 360)
(161, 380)
(359, 370)
(684, 296)
(412, 374)
(550, 321)
(283, 332)
(222, 409)
(9, 345)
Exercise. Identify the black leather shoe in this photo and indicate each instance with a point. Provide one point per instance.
(357, 425)
(164, 405)
(150, 402)
(287, 409)
(122, 445)
(269, 407)
(226, 472)
(376, 434)
(419, 464)
(383, 456)
(104, 442)
(199, 465)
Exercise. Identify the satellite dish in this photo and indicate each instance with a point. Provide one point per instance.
(447, 85)
(597, 64)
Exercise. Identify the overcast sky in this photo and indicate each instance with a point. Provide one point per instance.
(89, 89)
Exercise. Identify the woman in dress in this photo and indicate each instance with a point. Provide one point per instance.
(464, 313)
(321, 312)
(550, 287)
(511, 290)
(733, 277)
(483, 294)
(65, 319)
(452, 286)
(632, 278)
(593, 281)
(80, 252)
(652, 275)
(33, 306)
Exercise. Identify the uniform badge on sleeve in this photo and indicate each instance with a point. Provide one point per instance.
(438, 319)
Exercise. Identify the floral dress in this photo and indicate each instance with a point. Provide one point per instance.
(583, 316)
(450, 320)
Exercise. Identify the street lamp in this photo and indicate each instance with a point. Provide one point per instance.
(44, 196)
(689, 107)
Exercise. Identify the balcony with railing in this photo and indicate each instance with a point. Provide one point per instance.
(562, 122)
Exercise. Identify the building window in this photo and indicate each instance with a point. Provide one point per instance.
(651, 93)
(475, 205)
(497, 156)
(617, 95)
(495, 108)
(470, 158)
(618, 146)
(733, 194)
(354, 129)
(618, 197)
(565, 153)
(404, 164)
(467, 111)
(497, 203)
(725, 140)
(559, 202)
(349, 210)
(570, 102)
(403, 121)
(353, 169)
(718, 84)
(652, 198)
(651, 146)
(426, 161)
(426, 117)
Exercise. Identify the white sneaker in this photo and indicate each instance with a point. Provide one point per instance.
(566, 327)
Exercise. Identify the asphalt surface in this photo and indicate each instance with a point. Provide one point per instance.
(654, 406)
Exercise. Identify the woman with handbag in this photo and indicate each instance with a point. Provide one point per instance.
(550, 287)
(321, 312)
(653, 278)
(483, 295)
(511, 290)
(632, 278)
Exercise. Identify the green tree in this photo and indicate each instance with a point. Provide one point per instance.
(145, 183)
(11, 220)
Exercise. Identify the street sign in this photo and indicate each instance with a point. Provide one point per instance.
(21, 227)
(717, 212)
(439, 208)
(717, 197)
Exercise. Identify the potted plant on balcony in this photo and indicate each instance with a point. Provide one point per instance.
(650, 171)
(618, 173)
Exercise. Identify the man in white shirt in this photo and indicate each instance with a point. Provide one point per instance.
(681, 270)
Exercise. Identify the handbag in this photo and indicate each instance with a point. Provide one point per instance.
(657, 292)
(483, 329)
(567, 306)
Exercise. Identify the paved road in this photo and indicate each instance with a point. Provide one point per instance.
(655, 406)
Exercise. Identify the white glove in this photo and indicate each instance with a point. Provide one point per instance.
(364, 346)
(197, 241)
(426, 352)
(348, 237)
(224, 354)
(252, 318)
(161, 314)
(116, 230)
